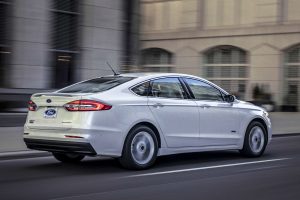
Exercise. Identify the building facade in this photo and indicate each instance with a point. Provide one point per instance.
(47, 44)
(56, 42)
(250, 48)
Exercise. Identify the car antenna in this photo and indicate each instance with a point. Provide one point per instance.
(115, 74)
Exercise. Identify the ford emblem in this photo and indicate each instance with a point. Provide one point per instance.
(48, 101)
(50, 112)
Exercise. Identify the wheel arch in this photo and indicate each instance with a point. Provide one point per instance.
(150, 125)
(262, 121)
(246, 149)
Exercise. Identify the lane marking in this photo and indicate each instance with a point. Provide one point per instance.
(208, 167)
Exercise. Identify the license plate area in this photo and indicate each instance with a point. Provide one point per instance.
(50, 112)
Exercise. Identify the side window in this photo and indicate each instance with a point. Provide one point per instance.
(141, 89)
(204, 91)
(167, 88)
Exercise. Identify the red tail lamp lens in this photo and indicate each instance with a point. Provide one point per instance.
(32, 106)
(86, 105)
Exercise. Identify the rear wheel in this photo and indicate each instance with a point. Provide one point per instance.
(140, 149)
(255, 140)
(68, 157)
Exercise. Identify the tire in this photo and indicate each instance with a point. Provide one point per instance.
(140, 149)
(255, 141)
(68, 157)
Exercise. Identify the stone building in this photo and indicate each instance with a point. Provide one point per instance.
(241, 45)
(46, 44)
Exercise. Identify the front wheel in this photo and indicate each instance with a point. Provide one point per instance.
(140, 149)
(255, 140)
(68, 157)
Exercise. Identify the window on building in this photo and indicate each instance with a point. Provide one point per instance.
(156, 60)
(227, 66)
(4, 39)
(64, 40)
(292, 75)
(167, 15)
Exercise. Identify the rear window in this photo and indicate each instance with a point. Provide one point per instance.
(96, 85)
(141, 89)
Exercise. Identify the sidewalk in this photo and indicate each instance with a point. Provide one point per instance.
(11, 139)
(285, 122)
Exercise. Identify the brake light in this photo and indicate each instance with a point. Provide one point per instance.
(32, 106)
(86, 105)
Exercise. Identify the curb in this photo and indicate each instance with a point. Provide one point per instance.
(285, 135)
(23, 154)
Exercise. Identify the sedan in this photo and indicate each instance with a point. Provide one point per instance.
(137, 117)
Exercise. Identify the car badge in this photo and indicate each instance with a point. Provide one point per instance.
(48, 101)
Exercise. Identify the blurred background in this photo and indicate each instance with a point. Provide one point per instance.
(251, 48)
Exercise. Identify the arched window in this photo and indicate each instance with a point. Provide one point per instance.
(156, 60)
(292, 75)
(227, 66)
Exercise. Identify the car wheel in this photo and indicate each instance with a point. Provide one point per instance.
(68, 157)
(140, 149)
(255, 140)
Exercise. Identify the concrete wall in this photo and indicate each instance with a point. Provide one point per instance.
(101, 30)
(265, 52)
(263, 28)
(30, 45)
(100, 40)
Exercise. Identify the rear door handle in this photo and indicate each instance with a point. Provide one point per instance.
(158, 105)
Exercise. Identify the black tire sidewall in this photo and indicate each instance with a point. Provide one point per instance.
(64, 157)
(247, 151)
(127, 160)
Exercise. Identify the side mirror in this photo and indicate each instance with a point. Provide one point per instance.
(229, 98)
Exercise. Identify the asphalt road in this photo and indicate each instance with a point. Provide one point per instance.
(214, 175)
(12, 119)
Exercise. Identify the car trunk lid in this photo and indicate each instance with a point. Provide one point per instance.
(50, 113)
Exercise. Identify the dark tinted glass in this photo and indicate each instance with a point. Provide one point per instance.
(4, 21)
(141, 89)
(96, 85)
(66, 5)
(65, 32)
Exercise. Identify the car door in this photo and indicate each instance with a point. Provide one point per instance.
(177, 116)
(219, 120)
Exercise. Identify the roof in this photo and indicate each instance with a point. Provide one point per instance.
(152, 74)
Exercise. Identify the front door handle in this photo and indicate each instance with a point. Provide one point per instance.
(225, 104)
(205, 106)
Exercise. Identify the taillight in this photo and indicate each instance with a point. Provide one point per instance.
(86, 105)
(32, 106)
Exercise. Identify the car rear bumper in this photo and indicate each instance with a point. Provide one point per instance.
(104, 142)
(60, 146)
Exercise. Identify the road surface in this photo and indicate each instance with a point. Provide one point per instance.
(214, 175)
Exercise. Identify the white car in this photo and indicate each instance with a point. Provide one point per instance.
(139, 116)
